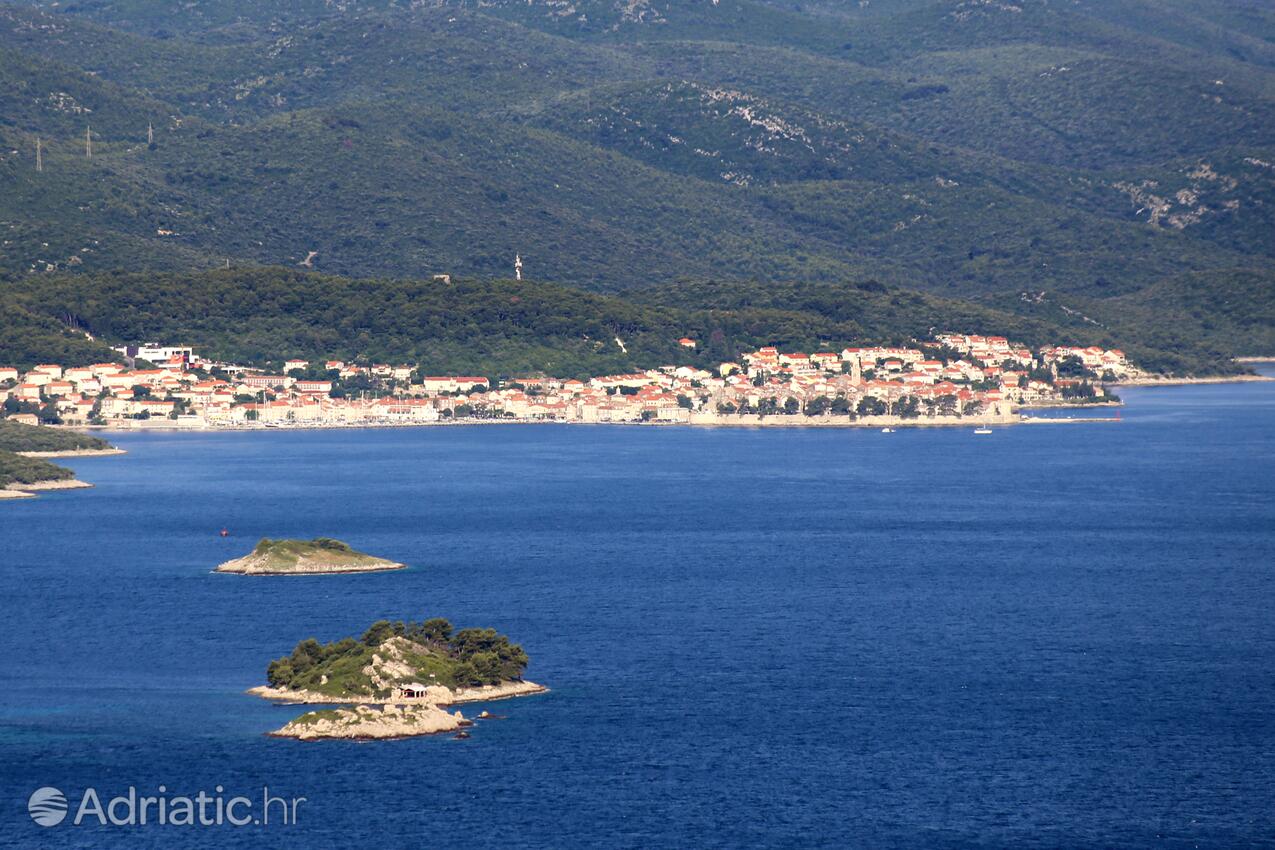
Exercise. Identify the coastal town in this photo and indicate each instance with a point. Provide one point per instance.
(952, 378)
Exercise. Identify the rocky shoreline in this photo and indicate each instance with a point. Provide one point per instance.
(75, 453)
(29, 491)
(258, 566)
(386, 719)
(364, 723)
(434, 695)
(1180, 382)
(1068, 405)
(1067, 420)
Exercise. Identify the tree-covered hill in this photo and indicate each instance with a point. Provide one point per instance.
(1098, 148)
(399, 653)
(501, 328)
(16, 470)
(29, 338)
(17, 437)
(961, 239)
(1231, 311)
(1156, 341)
(1052, 106)
(467, 326)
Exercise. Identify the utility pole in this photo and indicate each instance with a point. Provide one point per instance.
(88, 142)
(39, 156)
(150, 134)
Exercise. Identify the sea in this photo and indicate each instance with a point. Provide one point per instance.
(1055, 636)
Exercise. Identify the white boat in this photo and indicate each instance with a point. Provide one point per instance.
(887, 430)
(982, 430)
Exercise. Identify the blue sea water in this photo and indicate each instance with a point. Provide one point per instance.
(1053, 636)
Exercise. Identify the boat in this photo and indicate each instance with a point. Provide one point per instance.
(982, 430)
(887, 430)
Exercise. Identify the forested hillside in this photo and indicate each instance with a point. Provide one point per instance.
(503, 327)
(1101, 150)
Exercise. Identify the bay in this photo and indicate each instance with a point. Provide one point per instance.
(1054, 635)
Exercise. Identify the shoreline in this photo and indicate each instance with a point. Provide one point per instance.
(697, 419)
(708, 421)
(233, 567)
(1069, 405)
(482, 693)
(364, 723)
(775, 421)
(30, 491)
(75, 453)
(320, 556)
(1182, 382)
(1068, 420)
(779, 420)
(307, 572)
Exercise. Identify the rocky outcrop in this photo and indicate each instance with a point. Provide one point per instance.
(388, 665)
(487, 693)
(254, 565)
(26, 491)
(60, 484)
(366, 723)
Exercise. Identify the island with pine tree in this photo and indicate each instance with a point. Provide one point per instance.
(410, 671)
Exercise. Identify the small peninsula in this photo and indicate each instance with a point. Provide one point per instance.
(23, 449)
(409, 669)
(46, 441)
(306, 557)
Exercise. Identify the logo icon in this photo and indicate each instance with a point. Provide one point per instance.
(47, 806)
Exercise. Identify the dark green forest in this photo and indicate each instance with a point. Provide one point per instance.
(502, 328)
(16, 437)
(1103, 168)
(17, 470)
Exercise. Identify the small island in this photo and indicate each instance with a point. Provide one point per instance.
(409, 669)
(306, 557)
